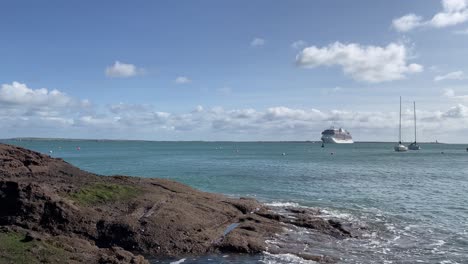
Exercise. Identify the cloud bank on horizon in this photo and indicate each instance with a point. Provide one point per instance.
(250, 76)
(27, 109)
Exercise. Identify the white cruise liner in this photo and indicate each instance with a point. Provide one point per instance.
(336, 136)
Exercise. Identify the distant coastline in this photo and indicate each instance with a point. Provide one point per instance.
(208, 141)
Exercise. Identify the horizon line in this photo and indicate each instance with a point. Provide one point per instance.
(240, 141)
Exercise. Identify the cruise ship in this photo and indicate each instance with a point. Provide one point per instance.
(338, 136)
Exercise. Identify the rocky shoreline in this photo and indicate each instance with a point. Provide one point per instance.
(53, 212)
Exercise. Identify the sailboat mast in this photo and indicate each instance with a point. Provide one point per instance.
(414, 106)
(399, 128)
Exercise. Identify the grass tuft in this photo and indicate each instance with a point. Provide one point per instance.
(15, 249)
(103, 193)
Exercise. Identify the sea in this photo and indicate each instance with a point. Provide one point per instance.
(413, 205)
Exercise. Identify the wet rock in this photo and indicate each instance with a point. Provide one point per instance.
(116, 255)
(330, 227)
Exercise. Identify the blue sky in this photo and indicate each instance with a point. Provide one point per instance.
(232, 70)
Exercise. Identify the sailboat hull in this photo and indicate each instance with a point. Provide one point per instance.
(414, 146)
(400, 148)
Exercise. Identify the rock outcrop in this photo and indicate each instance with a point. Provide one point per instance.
(117, 219)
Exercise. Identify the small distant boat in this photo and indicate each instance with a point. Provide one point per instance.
(414, 145)
(336, 136)
(400, 147)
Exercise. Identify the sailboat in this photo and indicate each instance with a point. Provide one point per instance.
(400, 147)
(414, 145)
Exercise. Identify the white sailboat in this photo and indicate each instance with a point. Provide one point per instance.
(414, 145)
(400, 147)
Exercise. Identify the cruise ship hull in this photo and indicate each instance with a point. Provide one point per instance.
(332, 140)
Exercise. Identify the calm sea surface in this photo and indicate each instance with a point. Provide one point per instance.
(414, 204)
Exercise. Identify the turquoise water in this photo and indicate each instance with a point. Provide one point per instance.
(415, 204)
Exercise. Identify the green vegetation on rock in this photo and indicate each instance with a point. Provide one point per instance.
(16, 248)
(104, 193)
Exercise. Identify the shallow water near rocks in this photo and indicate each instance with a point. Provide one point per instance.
(413, 205)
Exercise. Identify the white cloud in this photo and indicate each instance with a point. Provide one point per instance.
(364, 63)
(34, 110)
(290, 121)
(453, 12)
(198, 109)
(256, 42)
(298, 44)
(122, 70)
(407, 22)
(182, 80)
(41, 112)
(456, 75)
(451, 94)
(458, 112)
(19, 94)
(146, 122)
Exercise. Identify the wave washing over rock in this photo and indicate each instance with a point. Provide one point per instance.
(53, 212)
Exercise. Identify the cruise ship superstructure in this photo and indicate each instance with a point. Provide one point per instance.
(336, 136)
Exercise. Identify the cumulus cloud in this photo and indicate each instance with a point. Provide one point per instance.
(458, 112)
(407, 22)
(456, 75)
(453, 12)
(256, 42)
(450, 93)
(35, 110)
(20, 98)
(363, 63)
(122, 70)
(298, 44)
(19, 94)
(182, 80)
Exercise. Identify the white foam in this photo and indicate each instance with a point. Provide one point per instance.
(271, 242)
(282, 204)
(178, 262)
(390, 227)
(269, 258)
(335, 214)
(438, 243)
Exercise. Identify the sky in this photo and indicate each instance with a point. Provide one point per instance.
(233, 70)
